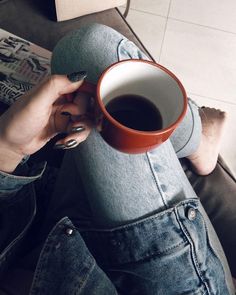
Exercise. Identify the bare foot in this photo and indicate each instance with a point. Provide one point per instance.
(205, 158)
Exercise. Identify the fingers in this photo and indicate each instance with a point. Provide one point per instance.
(77, 132)
(67, 113)
(71, 109)
(57, 85)
(80, 105)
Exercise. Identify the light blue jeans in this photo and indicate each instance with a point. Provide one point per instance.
(101, 187)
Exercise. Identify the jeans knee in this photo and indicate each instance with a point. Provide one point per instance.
(95, 28)
(90, 47)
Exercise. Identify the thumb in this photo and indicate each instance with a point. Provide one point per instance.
(56, 85)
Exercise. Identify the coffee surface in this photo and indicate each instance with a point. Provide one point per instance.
(135, 112)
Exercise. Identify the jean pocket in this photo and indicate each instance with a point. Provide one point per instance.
(171, 273)
(171, 256)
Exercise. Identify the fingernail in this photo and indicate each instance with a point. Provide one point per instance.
(59, 146)
(78, 129)
(77, 76)
(65, 113)
(71, 143)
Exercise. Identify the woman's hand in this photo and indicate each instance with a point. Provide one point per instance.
(41, 114)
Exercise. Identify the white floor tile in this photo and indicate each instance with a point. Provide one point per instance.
(214, 13)
(149, 28)
(121, 9)
(158, 7)
(228, 150)
(204, 59)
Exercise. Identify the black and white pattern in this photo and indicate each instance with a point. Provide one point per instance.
(11, 89)
(22, 65)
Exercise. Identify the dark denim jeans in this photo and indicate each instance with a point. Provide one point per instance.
(166, 253)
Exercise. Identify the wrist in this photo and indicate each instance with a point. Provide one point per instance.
(9, 159)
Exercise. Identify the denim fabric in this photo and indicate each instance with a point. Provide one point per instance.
(165, 254)
(118, 187)
(17, 210)
(12, 183)
(111, 189)
(130, 187)
(17, 213)
(67, 267)
(92, 48)
(186, 138)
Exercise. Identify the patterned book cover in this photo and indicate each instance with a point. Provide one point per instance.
(22, 65)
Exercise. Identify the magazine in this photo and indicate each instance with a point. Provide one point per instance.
(22, 65)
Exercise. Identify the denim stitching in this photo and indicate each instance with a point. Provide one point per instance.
(124, 227)
(193, 252)
(151, 254)
(191, 131)
(157, 182)
(119, 57)
(84, 280)
(210, 247)
(43, 260)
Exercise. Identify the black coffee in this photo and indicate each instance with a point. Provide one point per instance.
(135, 112)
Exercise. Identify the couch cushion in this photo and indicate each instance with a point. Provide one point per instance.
(217, 192)
(35, 21)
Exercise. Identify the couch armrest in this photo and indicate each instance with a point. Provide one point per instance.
(217, 192)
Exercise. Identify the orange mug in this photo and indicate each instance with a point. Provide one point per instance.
(140, 102)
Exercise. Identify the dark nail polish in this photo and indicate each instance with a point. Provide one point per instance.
(77, 76)
(65, 114)
(71, 143)
(59, 146)
(78, 129)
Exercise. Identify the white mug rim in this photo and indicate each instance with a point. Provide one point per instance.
(130, 130)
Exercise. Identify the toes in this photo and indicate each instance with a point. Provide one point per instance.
(224, 114)
(211, 113)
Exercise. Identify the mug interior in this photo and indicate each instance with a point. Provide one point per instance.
(145, 79)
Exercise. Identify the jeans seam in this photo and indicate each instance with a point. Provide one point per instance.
(164, 252)
(117, 49)
(212, 249)
(193, 252)
(130, 225)
(119, 58)
(85, 279)
(157, 182)
(191, 131)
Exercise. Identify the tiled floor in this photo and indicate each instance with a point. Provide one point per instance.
(197, 41)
